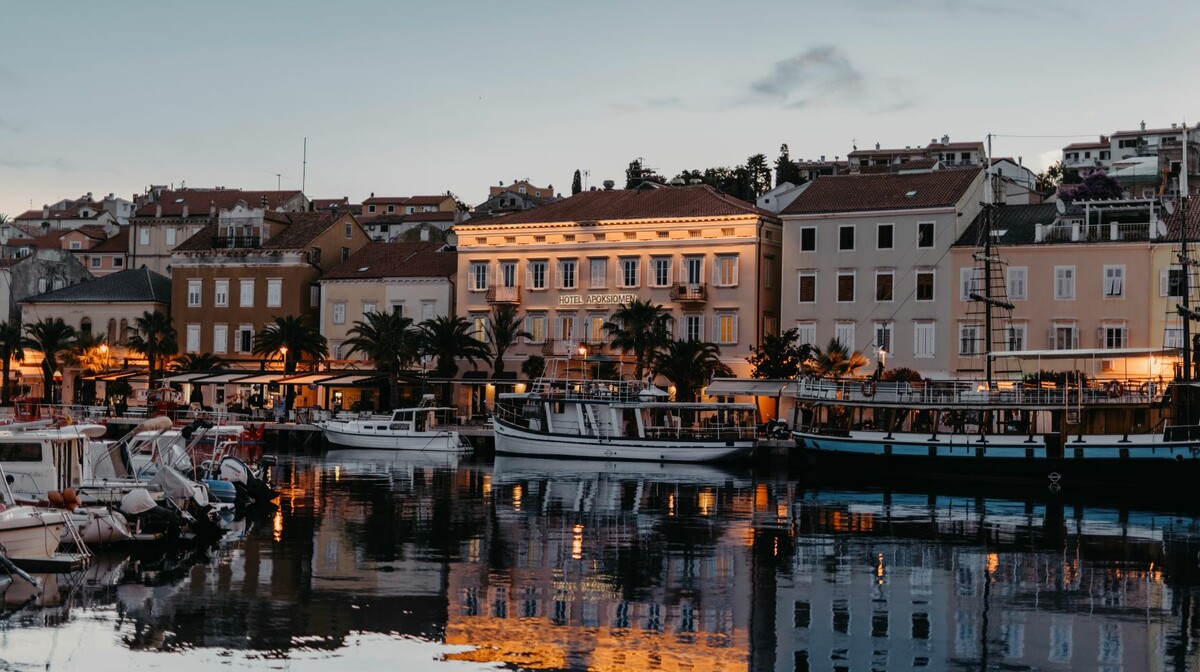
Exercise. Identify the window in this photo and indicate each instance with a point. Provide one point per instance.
(726, 271)
(85, 326)
(1017, 283)
(970, 281)
(144, 236)
(95, 262)
(537, 275)
(884, 284)
(845, 286)
(246, 293)
(725, 332)
(693, 270)
(1064, 336)
(193, 293)
(349, 230)
(398, 309)
(883, 236)
(844, 333)
(193, 338)
(41, 285)
(339, 313)
(478, 276)
(923, 339)
(883, 336)
(1018, 336)
(565, 328)
(220, 338)
(370, 208)
(314, 256)
(925, 286)
(1114, 336)
(221, 293)
(111, 334)
(969, 339)
(808, 239)
(566, 274)
(508, 274)
(630, 272)
(806, 333)
(596, 329)
(479, 327)
(599, 269)
(1173, 334)
(1064, 283)
(925, 235)
(390, 207)
(662, 271)
(1170, 282)
(118, 262)
(807, 287)
(171, 236)
(345, 253)
(245, 339)
(368, 308)
(768, 271)
(536, 326)
(274, 292)
(846, 237)
(1114, 281)
(693, 327)
(314, 296)
(74, 245)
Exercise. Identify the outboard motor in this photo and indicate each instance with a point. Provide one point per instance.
(248, 485)
(148, 517)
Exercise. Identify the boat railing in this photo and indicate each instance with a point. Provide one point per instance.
(977, 393)
(557, 389)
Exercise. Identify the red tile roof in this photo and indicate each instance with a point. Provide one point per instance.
(618, 204)
(397, 260)
(116, 244)
(1087, 145)
(406, 200)
(70, 213)
(303, 228)
(1150, 131)
(890, 191)
(1193, 216)
(200, 201)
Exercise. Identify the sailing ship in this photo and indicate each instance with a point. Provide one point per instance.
(1112, 432)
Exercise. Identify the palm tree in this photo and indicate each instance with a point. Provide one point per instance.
(294, 337)
(52, 338)
(390, 341)
(11, 343)
(448, 339)
(533, 366)
(836, 360)
(689, 365)
(155, 339)
(639, 327)
(192, 363)
(504, 328)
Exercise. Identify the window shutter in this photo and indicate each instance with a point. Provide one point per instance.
(734, 335)
(1050, 338)
(1100, 337)
(1163, 282)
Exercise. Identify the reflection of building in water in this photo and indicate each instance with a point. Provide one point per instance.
(607, 573)
(893, 586)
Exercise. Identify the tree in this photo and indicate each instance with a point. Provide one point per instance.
(1097, 186)
(504, 328)
(11, 342)
(295, 338)
(193, 363)
(4, 218)
(836, 360)
(786, 170)
(689, 365)
(637, 173)
(155, 339)
(758, 176)
(779, 357)
(391, 342)
(52, 338)
(533, 366)
(576, 183)
(1048, 180)
(639, 327)
(448, 339)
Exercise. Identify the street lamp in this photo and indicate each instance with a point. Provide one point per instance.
(583, 351)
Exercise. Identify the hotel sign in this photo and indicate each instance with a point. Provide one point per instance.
(595, 299)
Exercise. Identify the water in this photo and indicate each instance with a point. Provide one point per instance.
(379, 561)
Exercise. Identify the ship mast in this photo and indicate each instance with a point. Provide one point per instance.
(1184, 308)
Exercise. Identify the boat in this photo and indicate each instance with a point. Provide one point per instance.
(618, 420)
(31, 534)
(1111, 432)
(423, 427)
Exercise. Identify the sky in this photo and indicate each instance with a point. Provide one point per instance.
(400, 98)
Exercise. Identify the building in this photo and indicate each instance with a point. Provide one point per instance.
(38, 271)
(1017, 184)
(250, 266)
(415, 280)
(781, 196)
(1146, 161)
(397, 227)
(947, 154)
(72, 213)
(518, 196)
(109, 255)
(866, 260)
(168, 217)
(711, 260)
(376, 206)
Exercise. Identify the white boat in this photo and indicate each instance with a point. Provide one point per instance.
(418, 428)
(619, 420)
(30, 533)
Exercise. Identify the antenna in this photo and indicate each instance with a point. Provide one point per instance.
(278, 178)
(304, 167)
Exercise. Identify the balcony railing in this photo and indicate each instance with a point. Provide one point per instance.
(499, 294)
(687, 293)
(557, 347)
(232, 242)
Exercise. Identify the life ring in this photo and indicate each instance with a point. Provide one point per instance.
(1115, 389)
(867, 388)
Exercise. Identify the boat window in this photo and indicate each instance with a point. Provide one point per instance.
(20, 452)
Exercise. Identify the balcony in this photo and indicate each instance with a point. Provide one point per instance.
(498, 294)
(236, 242)
(554, 347)
(689, 294)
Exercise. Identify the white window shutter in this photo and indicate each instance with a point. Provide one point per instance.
(734, 335)
(1163, 282)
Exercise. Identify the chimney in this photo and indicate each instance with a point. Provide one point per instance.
(158, 210)
(877, 146)
(945, 139)
(212, 209)
(45, 211)
(822, 158)
(185, 210)
(1143, 124)
(609, 184)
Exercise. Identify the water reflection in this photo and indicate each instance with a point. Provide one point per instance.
(546, 564)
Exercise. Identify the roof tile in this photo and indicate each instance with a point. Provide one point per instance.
(887, 191)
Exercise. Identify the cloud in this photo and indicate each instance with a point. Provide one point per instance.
(10, 78)
(1012, 8)
(824, 75)
(9, 126)
(651, 103)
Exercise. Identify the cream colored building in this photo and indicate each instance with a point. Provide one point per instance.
(711, 260)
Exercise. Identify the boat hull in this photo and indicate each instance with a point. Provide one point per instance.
(441, 440)
(1104, 461)
(30, 534)
(98, 527)
(514, 440)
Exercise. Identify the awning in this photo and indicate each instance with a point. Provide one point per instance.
(184, 377)
(119, 375)
(1086, 353)
(263, 378)
(749, 387)
(223, 378)
(350, 380)
(309, 378)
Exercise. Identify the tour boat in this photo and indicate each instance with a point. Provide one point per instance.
(417, 428)
(619, 420)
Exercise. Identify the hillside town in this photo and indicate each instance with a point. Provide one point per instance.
(274, 302)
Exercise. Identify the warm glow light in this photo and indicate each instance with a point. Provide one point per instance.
(516, 497)
(707, 500)
(278, 525)
(583, 351)
(104, 348)
(519, 388)
(993, 562)
(671, 505)
(577, 543)
(337, 472)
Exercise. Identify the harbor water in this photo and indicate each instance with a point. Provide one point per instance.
(431, 561)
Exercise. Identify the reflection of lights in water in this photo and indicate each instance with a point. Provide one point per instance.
(337, 472)
(707, 500)
(487, 485)
(761, 497)
(993, 562)
(516, 497)
(781, 511)
(671, 504)
(278, 526)
(577, 543)
(879, 566)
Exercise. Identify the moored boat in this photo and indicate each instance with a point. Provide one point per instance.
(423, 427)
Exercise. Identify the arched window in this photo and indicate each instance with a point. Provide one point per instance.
(85, 325)
(124, 333)
(111, 334)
